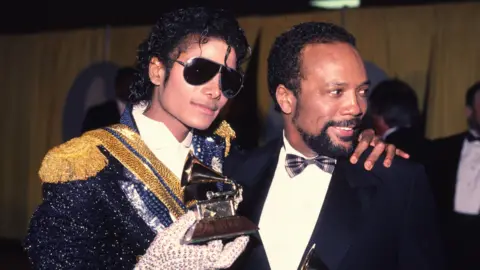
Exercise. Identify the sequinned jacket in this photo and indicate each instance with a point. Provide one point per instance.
(106, 196)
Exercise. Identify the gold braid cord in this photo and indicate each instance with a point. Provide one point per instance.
(225, 131)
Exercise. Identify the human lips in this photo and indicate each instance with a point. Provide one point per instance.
(206, 109)
(344, 131)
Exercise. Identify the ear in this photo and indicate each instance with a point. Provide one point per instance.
(468, 111)
(285, 99)
(156, 71)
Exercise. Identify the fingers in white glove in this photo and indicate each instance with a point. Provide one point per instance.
(168, 252)
(179, 228)
(231, 252)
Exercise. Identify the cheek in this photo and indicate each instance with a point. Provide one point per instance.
(177, 86)
(222, 102)
(362, 103)
(310, 118)
(176, 96)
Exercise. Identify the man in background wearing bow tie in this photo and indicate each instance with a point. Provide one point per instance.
(302, 190)
(457, 186)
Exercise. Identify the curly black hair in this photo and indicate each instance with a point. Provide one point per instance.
(169, 36)
(397, 102)
(470, 95)
(284, 60)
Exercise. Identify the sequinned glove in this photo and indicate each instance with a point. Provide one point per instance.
(167, 252)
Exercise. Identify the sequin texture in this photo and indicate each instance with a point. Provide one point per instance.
(87, 224)
(109, 219)
(130, 190)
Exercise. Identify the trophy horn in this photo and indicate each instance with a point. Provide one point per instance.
(194, 171)
(212, 197)
(199, 181)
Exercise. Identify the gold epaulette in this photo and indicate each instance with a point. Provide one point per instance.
(77, 159)
(225, 131)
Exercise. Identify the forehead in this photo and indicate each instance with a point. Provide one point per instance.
(214, 49)
(333, 63)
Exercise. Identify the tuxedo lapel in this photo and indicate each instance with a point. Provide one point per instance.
(455, 150)
(258, 179)
(348, 196)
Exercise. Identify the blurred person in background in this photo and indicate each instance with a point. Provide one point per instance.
(393, 105)
(457, 183)
(109, 112)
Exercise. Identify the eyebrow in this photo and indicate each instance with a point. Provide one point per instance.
(365, 83)
(343, 84)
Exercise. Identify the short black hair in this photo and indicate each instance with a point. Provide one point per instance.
(169, 35)
(470, 96)
(284, 60)
(123, 79)
(396, 102)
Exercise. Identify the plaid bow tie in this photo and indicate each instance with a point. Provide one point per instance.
(472, 138)
(295, 164)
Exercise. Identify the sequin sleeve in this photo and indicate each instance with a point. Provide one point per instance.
(69, 231)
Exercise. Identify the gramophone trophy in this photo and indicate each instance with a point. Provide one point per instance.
(211, 196)
(312, 261)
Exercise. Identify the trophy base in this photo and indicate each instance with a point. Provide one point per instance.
(206, 230)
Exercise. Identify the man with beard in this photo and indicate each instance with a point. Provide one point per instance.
(456, 183)
(312, 205)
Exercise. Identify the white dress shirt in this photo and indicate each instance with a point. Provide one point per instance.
(161, 141)
(291, 211)
(467, 190)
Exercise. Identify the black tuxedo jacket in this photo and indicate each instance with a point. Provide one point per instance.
(461, 232)
(447, 158)
(380, 219)
(414, 143)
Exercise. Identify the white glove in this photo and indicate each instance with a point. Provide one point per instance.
(167, 252)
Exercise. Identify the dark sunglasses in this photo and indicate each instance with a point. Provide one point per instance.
(198, 71)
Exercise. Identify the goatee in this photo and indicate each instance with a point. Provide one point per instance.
(323, 145)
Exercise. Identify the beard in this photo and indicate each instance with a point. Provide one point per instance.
(322, 143)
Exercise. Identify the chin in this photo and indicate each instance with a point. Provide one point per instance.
(200, 125)
(341, 148)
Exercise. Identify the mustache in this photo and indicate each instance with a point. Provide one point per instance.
(354, 122)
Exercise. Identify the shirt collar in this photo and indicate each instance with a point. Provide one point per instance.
(154, 133)
(289, 148)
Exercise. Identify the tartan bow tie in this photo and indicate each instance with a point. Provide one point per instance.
(295, 164)
(472, 138)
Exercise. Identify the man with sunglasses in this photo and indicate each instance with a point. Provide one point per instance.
(112, 197)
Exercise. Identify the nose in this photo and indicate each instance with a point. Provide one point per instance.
(354, 105)
(212, 88)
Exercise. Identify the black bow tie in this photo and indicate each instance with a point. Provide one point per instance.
(295, 164)
(472, 138)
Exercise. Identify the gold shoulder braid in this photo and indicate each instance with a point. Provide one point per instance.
(225, 131)
(77, 159)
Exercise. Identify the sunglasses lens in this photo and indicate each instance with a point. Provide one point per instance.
(232, 83)
(199, 71)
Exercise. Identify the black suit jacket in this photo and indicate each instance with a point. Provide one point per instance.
(382, 219)
(447, 158)
(461, 232)
(103, 115)
(414, 143)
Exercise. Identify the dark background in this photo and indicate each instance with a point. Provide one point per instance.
(28, 16)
